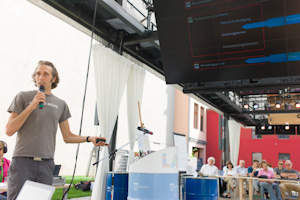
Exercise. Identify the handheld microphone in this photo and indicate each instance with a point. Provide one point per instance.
(41, 104)
(144, 130)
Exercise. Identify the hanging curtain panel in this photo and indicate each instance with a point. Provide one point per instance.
(135, 86)
(234, 140)
(111, 74)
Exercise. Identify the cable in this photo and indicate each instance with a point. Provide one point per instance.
(83, 103)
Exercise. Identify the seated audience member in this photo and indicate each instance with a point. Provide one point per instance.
(269, 185)
(252, 172)
(270, 168)
(231, 182)
(222, 184)
(269, 165)
(289, 173)
(242, 171)
(4, 165)
(278, 170)
(259, 166)
(209, 169)
(225, 167)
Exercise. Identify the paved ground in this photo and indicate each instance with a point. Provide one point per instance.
(235, 198)
(234, 195)
(82, 198)
(246, 197)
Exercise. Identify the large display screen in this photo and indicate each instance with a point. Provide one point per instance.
(218, 40)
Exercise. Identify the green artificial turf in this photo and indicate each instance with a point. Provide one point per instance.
(73, 193)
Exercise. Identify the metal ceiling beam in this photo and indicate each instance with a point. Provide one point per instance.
(229, 102)
(118, 11)
(234, 106)
(239, 85)
(257, 112)
(143, 59)
(137, 39)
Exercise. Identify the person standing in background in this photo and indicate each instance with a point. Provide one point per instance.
(4, 165)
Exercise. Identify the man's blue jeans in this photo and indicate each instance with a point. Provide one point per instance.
(271, 187)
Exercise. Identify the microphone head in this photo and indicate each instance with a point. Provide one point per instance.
(42, 88)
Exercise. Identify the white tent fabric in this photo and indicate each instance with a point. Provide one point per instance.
(234, 140)
(111, 74)
(135, 86)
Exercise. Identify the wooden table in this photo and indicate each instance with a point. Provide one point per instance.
(64, 187)
(250, 181)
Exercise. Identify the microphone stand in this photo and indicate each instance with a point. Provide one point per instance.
(112, 154)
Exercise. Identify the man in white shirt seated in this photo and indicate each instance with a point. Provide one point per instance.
(209, 169)
(242, 171)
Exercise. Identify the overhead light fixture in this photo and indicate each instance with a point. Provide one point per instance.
(269, 127)
(263, 127)
(246, 106)
(297, 104)
(278, 105)
(287, 127)
(255, 106)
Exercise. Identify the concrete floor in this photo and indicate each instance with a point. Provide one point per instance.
(235, 198)
(82, 198)
(246, 197)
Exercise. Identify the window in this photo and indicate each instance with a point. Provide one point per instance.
(283, 137)
(254, 136)
(201, 118)
(257, 156)
(196, 115)
(283, 156)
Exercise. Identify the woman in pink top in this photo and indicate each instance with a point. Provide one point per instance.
(269, 185)
(4, 165)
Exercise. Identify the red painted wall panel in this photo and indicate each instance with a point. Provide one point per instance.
(212, 146)
(270, 146)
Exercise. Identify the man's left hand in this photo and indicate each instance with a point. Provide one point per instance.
(101, 143)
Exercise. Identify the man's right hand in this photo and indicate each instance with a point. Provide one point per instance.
(39, 97)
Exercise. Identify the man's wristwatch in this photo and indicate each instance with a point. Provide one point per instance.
(87, 139)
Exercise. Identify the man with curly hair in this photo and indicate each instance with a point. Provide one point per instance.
(36, 130)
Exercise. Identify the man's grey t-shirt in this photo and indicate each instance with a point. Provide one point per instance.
(278, 171)
(292, 171)
(37, 136)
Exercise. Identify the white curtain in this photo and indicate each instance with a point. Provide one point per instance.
(234, 140)
(111, 74)
(135, 86)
